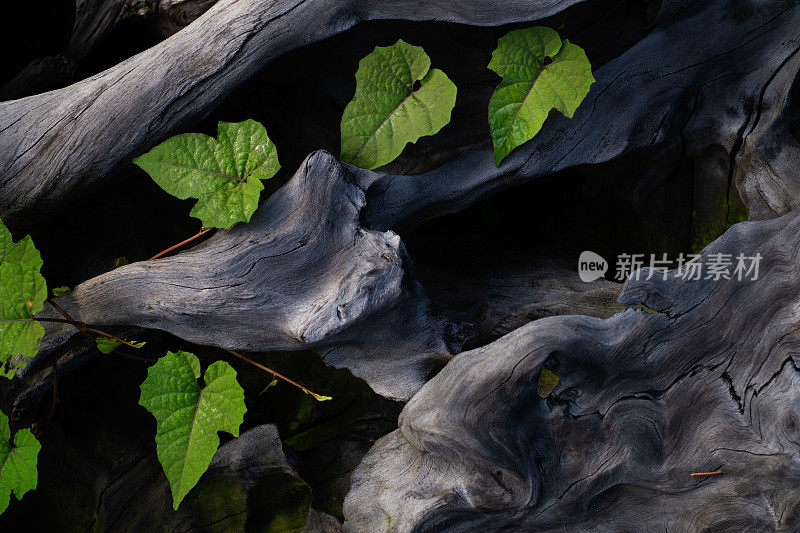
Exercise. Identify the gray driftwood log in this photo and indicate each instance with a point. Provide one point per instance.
(44, 156)
(95, 21)
(707, 381)
(306, 274)
(708, 95)
(675, 80)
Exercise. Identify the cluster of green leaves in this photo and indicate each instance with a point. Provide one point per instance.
(188, 416)
(399, 98)
(22, 294)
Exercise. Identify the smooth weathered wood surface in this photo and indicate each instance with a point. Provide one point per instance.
(304, 273)
(683, 86)
(709, 381)
(44, 154)
(96, 21)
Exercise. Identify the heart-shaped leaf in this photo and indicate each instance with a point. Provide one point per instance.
(539, 72)
(188, 417)
(18, 458)
(22, 295)
(224, 174)
(388, 111)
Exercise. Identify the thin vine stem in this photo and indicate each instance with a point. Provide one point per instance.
(316, 396)
(83, 328)
(185, 241)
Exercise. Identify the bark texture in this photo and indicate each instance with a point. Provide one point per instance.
(302, 274)
(699, 116)
(698, 94)
(306, 274)
(44, 156)
(707, 381)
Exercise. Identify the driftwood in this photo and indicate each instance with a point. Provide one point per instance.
(699, 92)
(249, 471)
(333, 319)
(44, 156)
(701, 378)
(95, 21)
(771, 181)
(707, 381)
(672, 87)
(304, 273)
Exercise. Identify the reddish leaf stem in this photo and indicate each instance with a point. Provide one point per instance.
(83, 328)
(316, 396)
(186, 241)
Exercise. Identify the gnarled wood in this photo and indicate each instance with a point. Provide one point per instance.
(302, 274)
(305, 273)
(95, 21)
(44, 156)
(682, 86)
(709, 381)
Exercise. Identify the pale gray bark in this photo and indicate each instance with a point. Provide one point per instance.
(701, 91)
(44, 154)
(709, 381)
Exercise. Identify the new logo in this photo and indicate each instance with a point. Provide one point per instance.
(591, 266)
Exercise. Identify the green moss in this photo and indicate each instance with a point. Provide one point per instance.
(214, 498)
(548, 382)
(707, 229)
(642, 307)
(279, 504)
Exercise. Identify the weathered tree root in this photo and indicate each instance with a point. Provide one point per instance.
(709, 96)
(44, 155)
(304, 273)
(95, 21)
(708, 382)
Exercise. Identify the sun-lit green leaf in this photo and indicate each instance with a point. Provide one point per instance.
(224, 174)
(318, 397)
(18, 457)
(548, 382)
(398, 99)
(540, 72)
(106, 345)
(22, 295)
(119, 261)
(188, 417)
(58, 291)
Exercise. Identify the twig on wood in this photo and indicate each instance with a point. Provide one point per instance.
(83, 328)
(316, 396)
(185, 241)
